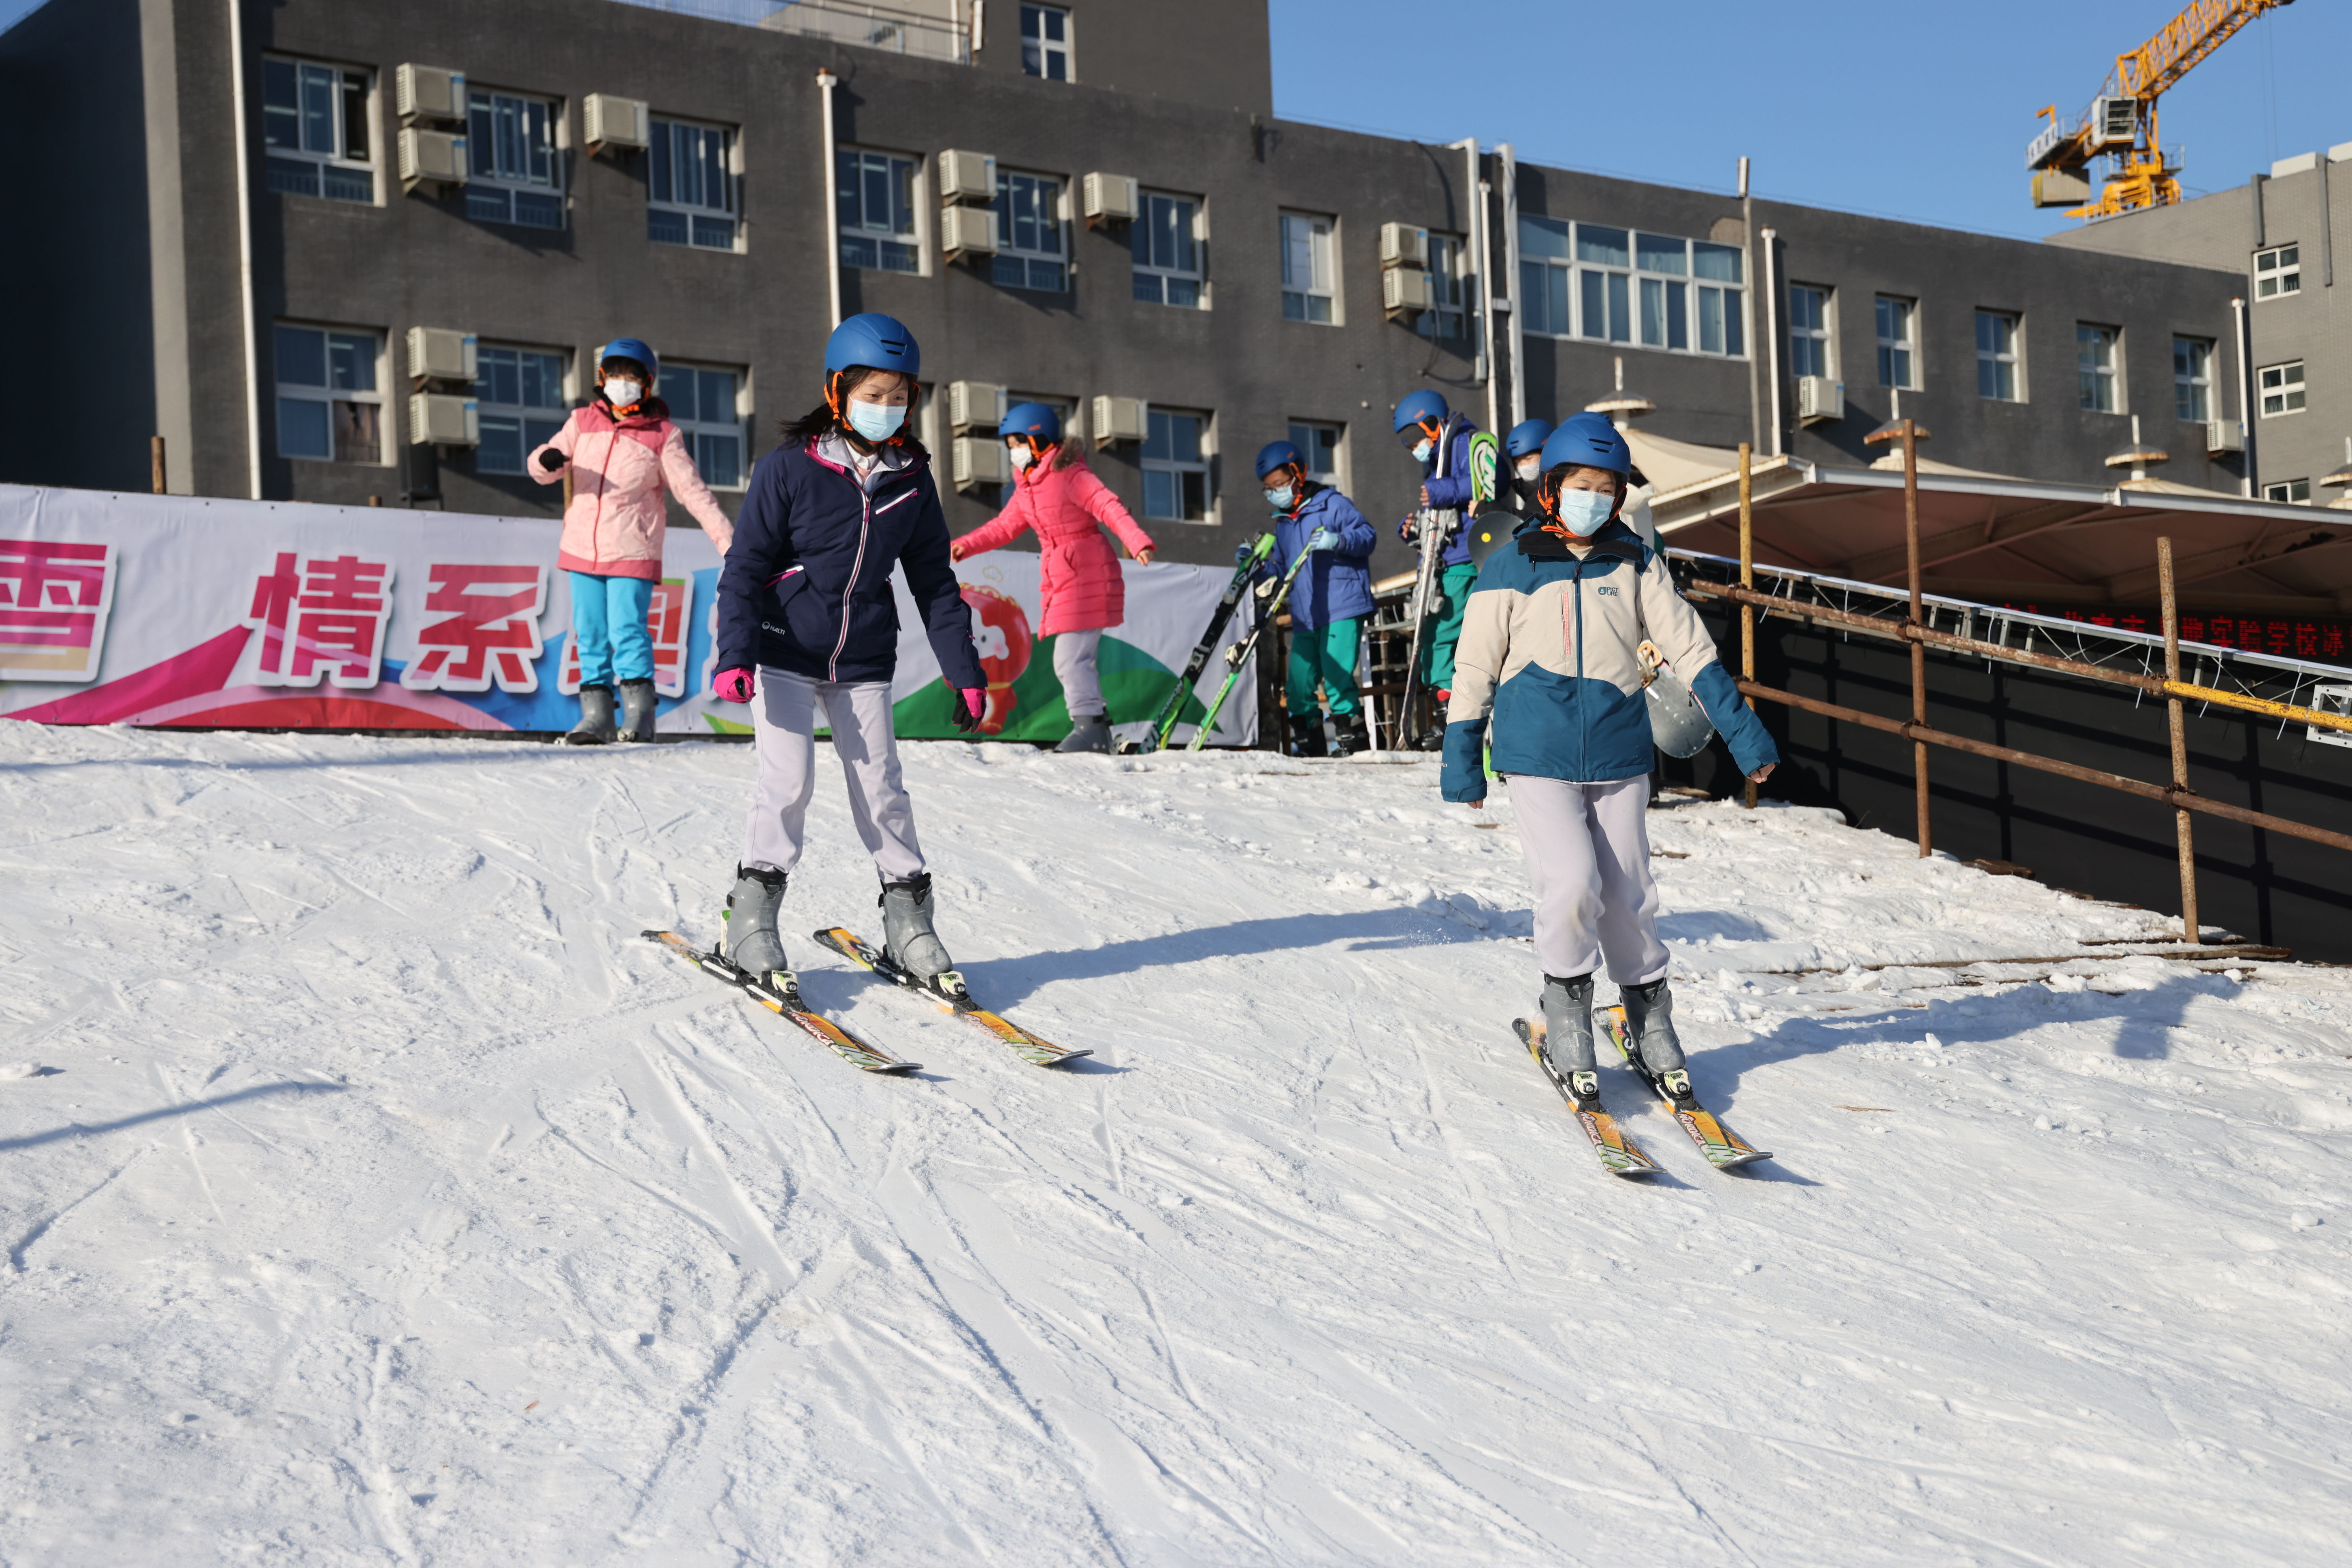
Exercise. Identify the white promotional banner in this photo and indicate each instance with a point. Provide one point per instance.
(178, 610)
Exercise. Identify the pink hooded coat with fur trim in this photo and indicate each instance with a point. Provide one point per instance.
(619, 468)
(1068, 507)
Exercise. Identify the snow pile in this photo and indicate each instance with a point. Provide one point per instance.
(374, 1193)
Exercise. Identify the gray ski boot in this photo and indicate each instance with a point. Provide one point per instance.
(752, 943)
(1568, 1037)
(907, 939)
(1088, 732)
(595, 726)
(1650, 1024)
(638, 710)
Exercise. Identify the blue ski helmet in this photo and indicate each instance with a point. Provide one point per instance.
(632, 348)
(1276, 454)
(1419, 408)
(876, 340)
(1527, 438)
(1035, 420)
(1589, 441)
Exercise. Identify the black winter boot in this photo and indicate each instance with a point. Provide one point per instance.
(1352, 737)
(1306, 735)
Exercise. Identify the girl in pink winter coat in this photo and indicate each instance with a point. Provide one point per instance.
(1054, 493)
(624, 454)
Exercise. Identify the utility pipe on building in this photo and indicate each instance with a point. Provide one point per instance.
(245, 245)
(825, 82)
(1769, 281)
(2245, 336)
(1473, 192)
(1747, 311)
(1510, 172)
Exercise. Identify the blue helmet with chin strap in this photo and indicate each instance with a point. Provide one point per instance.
(1040, 423)
(1527, 438)
(1589, 441)
(1277, 454)
(636, 349)
(876, 340)
(1419, 408)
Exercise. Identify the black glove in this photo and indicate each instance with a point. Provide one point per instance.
(552, 460)
(961, 712)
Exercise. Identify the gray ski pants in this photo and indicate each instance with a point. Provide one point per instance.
(1587, 849)
(783, 723)
(1081, 677)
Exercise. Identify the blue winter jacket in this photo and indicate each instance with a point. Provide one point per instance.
(1337, 583)
(1549, 652)
(806, 583)
(1452, 490)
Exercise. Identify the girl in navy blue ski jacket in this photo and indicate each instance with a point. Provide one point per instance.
(804, 600)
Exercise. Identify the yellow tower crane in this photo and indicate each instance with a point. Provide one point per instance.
(2121, 121)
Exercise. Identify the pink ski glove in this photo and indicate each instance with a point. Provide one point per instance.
(733, 686)
(973, 704)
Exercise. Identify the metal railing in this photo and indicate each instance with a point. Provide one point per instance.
(1916, 630)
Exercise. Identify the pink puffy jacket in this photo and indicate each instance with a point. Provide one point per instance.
(1079, 575)
(620, 467)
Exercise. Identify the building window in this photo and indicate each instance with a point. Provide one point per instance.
(520, 396)
(2278, 271)
(1717, 273)
(1045, 42)
(1897, 359)
(704, 405)
(1167, 243)
(2295, 492)
(1809, 331)
(693, 195)
(877, 212)
(314, 122)
(2281, 389)
(1031, 252)
(1997, 356)
(1308, 288)
(1591, 281)
(1320, 444)
(1545, 276)
(2192, 378)
(1448, 315)
(510, 143)
(2094, 364)
(1604, 283)
(1175, 468)
(329, 409)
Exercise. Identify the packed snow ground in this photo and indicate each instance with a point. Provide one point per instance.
(382, 1197)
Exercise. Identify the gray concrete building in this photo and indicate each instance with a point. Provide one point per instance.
(333, 252)
(2280, 233)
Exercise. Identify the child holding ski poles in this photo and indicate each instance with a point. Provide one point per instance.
(1439, 440)
(1549, 652)
(624, 453)
(1056, 494)
(1329, 600)
(804, 600)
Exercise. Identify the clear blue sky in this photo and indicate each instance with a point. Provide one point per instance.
(1911, 111)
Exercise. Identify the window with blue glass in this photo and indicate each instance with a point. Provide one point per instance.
(693, 186)
(314, 128)
(514, 174)
(520, 392)
(1166, 239)
(704, 405)
(1615, 285)
(1045, 42)
(877, 211)
(328, 407)
(1176, 467)
(1031, 252)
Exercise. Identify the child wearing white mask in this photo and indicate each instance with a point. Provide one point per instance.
(625, 456)
(1550, 654)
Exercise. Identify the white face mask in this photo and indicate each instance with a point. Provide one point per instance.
(1421, 453)
(1582, 512)
(621, 394)
(1023, 456)
(1529, 467)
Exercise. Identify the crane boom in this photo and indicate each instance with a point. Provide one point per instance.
(2121, 121)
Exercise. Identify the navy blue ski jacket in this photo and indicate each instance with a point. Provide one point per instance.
(1337, 584)
(806, 584)
(1449, 489)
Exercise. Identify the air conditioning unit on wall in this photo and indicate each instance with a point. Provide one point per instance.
(975, 406)
(443, 419)
(1404, 291)
(440, 353)
(429, 92)
(966, 177)
(1404, 245)
(434, 158)
(1820, 399)
(2223, 435)
(967, 231)
(1120, 419)
(979, 460)
(1111, 198)
(610, 122)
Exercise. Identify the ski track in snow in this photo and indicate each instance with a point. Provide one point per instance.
(387, 1199)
